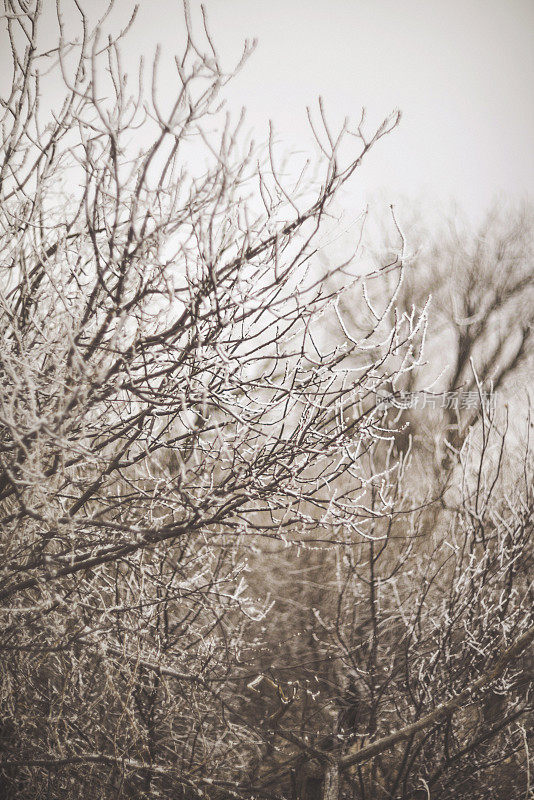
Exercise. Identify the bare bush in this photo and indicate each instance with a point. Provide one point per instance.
(216, 578)
(163, 399)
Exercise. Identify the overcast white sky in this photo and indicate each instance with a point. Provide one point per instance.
(461, 71)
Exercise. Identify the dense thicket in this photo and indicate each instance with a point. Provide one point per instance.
(248, 547)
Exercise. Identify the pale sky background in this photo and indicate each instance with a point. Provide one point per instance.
(461, 71)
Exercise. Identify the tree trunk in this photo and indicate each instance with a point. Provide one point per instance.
(331, 782)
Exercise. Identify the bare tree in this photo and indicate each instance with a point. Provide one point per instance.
(481, 284)
(165, 404)
(411, 651)
(399, 639)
